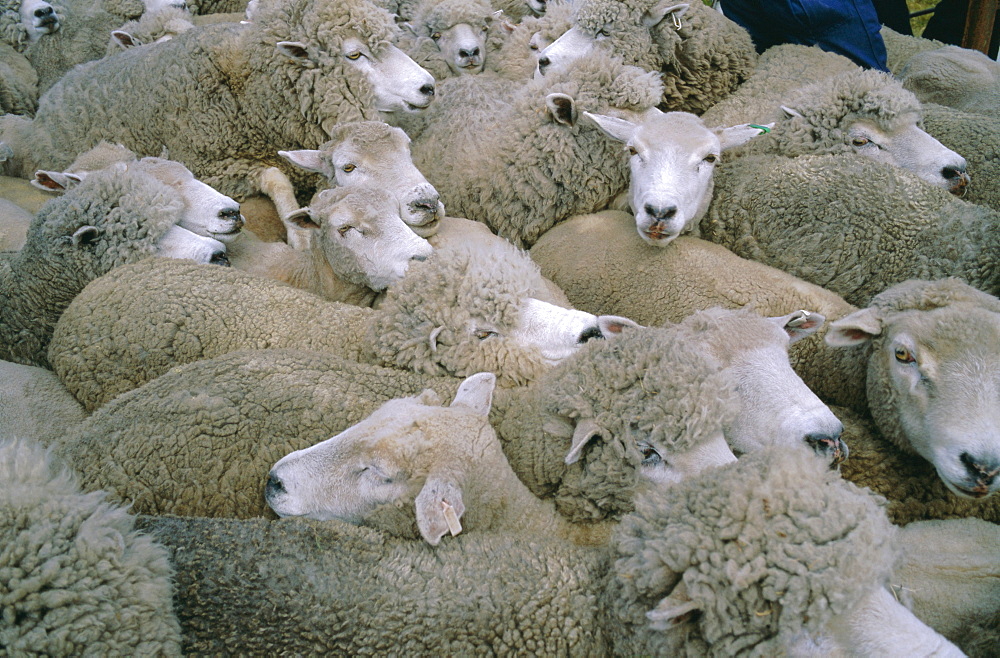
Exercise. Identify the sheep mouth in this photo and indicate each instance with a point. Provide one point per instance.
(959, 185)
(47, 25)
(410, 107)
(980, 491)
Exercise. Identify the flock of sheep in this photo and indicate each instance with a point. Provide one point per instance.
(629, 341)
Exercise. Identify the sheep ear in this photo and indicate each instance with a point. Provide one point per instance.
(85, 235)
(854, 329)
(791, 113)
(310, 160)
(672, 610)
(495, 16)
(302, 218)
(55, 181)
(562, 108)
(586, 429)
(661, 10)
(613, 127)
(734, 136)
(476, 393)
(124, 40)
(613, 325)
(800, 324)
(439, 509)
(295, 51)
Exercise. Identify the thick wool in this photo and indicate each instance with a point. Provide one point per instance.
(909, 482)
(646, 384)
(900, 48)
(766, 548)
(512, 56)
(148, 28)
(78, 578)
(961, 78)
(537, 171)
(976, 138)
(220, 98)
(818, 221)
(657, 285)
(128, 211)
(110, 341)
(34, 403)
(200, 439)
(701, 62)
(18, 83)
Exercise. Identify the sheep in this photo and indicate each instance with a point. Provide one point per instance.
(237, 83)
(818, 222)
(957, 77)
(663, 285)
(949, 575)
(330, 587)
(976, 135)
(102, 156)
(513, 54)
(78, 577)
(933, 378)
(23, 22)
(150, 28)
(466, 312)
(518, 10)
(672, 159)
(34, 403)
(854, 111)
(900, 48)
(14, 223)
(361, 246)
(18, 83)
(545, 165)
(452, 34)
(116, 217)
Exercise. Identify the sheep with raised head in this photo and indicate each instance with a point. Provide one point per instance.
(78, 577)
(450, 36)
(23, 22)
(466, 311)
(234, 93)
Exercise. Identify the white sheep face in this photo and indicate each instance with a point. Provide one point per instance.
(663, 468)
(362, 236)
(206, 211)
(179, 242)
(156, 6)
(38, 18)
(400, 85)
(384, 163)
(464, 46)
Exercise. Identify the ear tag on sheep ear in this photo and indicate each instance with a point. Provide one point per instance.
(451, 518)
(676, 20)
(586, 430)
(439, 508)
(801, 323)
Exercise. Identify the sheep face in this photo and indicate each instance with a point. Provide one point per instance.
(38, 18)
(625, 32)
(399, 84)
(362, 236)
(371, 154)
(179, 242)
(459, 30)
(934, 387)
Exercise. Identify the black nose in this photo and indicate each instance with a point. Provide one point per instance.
(427, 90)
(828, 445)
(543, 63)
(469, 53)
(983, 470)
(219, 258)
(589, 334)
(273, 486)
(419, 259)
(41, 12)
(429, 205)
(660, 213)
(952, 172)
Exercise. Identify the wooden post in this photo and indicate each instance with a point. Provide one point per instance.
(979, 25)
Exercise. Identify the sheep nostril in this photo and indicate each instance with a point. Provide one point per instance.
(219, 258)
(41, 12)
(419, 258)
(590, 333)
(273, 486)
(828, 445)
(543, 62)
(469, 53)
(660, 213)
(427, 90)
(952, 172)
(983, 471)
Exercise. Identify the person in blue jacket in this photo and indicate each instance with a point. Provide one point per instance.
(847, 27)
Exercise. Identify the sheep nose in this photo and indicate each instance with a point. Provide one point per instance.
(589, 334)
(951, 172)
(660, 213)
(219, 258)
(469, 53)
(231, 215)
(42, 12)
(984, 471)
(273, 486)
(419, 258)
(429, 204)
(543, 63)
(427, 89)
(828, 445)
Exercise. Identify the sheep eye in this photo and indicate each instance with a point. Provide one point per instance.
(904, 355)
(354, 55)
(860, 141)
(649, 455)
(485, 28)
(348, 168)
(631, 150)
(603, 32)
(483, 334)
(344, 229)
(436, 36)
(711, 158)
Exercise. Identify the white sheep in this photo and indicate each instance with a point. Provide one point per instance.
(450, 36)
(34, 404)
(934, 376)
(957, 77)
(18, 82)
(116, 217)
(228, 132)
(359, 247)
(23, 22)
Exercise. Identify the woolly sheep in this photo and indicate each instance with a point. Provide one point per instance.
(933, 378)
(663, 285)
(34, 403)
(233, 77)
(18, 83)
(513, 55)
(117, 217)
(360, 247)
(14, 223)
(979, 137)
(957, 77)
(318, 586)
(702, 55)
(467, 312)
(856, 111)
(900, 48)
(79, 578)
(23, 22)
(518, 10)
(456, 30)
(948, 573)
(150, 28)
(909, 482)
(545, 165)
(818, 221)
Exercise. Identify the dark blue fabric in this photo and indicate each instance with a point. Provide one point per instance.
(847, 27)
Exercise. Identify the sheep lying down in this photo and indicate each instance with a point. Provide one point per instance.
(809, 550)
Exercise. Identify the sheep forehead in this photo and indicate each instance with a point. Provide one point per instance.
(369, 204)
(364, 135)
(729, 334)
(873, 94)
(385, 149)
(443, 15)
(952, 334)
(167, 172)
(677, 131)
